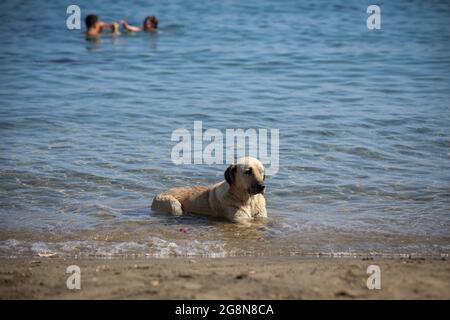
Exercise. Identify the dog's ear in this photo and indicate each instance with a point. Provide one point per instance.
(229, 174)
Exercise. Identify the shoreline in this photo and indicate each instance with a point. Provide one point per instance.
(225, 278)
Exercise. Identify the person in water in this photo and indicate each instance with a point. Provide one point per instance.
(94, 26)
(150, 24)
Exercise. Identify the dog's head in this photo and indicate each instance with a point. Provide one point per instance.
(247, 175)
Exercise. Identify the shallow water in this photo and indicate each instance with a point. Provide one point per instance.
(363, 118)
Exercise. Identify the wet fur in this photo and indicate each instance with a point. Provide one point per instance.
(236, 199)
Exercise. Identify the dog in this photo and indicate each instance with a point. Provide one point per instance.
(238, 199)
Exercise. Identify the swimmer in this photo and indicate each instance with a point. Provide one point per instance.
(94, 26)
(150, 24)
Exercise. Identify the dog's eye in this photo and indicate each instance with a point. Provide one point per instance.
(248, 172)
(264, 177)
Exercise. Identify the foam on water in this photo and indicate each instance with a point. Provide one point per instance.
(147, 248)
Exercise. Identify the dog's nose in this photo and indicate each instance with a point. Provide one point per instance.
(262, 187)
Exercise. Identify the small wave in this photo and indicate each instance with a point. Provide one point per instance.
(63, 60)
(152, 247)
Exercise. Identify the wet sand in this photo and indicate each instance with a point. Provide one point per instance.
(231, 278)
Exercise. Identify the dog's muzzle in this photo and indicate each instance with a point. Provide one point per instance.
(258, 188)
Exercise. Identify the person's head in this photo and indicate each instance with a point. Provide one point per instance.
(91, 20)
(150, 22)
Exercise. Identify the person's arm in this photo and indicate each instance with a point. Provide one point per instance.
(113, 26)
(129, 27)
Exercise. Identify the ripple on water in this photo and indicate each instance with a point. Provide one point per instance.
(363, 117)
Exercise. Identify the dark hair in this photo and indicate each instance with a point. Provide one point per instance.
(152, 19)
(91, 20)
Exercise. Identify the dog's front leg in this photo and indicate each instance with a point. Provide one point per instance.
(261, 213)
(259, 209)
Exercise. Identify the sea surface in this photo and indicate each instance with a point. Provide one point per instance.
(363, 117)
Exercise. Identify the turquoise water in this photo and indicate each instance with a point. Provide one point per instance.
(363, 118)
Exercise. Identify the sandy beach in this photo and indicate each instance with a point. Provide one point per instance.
(231, 278)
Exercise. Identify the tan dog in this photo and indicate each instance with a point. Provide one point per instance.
(239, 198)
